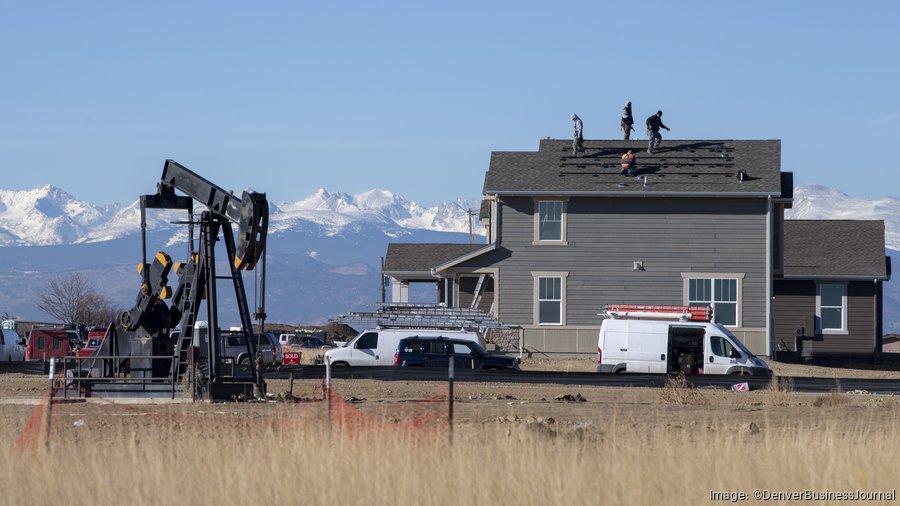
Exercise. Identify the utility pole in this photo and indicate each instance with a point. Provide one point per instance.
(471, 213)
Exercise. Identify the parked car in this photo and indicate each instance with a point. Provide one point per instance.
(378, 346)
(438, 351)
(95, 338)
(11, 344)
(308, 339)
(273, 339)
(234, 346)
(310, 343)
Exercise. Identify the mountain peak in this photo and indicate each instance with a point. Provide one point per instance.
(817, 202)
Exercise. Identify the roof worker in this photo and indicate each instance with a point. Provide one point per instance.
(579, 138)
(628, 164)
(654, 123)
(627, 121)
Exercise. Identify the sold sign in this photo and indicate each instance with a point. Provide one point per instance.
(292, 358)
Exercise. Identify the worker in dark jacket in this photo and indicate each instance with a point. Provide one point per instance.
(654, 123)
(579, 138)
(627, 121)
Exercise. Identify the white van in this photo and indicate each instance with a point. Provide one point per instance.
(653, 346)
(378, 346)
(12, 347)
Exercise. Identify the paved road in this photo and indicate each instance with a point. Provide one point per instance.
(800, 384)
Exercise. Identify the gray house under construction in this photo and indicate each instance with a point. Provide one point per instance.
(701, 224)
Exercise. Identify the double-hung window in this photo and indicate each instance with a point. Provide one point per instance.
(719, 293)
(550, 298)
(550, 222)
(831, 307)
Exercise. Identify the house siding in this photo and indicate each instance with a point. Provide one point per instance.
(605, 236)
(795, 306)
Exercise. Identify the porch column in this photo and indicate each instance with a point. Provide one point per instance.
(399, 291)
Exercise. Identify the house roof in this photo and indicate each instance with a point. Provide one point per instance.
(412, 258)
(693, 167)
(834, 248)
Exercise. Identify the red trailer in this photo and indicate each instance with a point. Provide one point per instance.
(47, 343)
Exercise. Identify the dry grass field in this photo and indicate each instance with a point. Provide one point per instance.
(512, 444)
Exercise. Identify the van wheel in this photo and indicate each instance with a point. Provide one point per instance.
(340, 364)
(244, 361)
(740, 372)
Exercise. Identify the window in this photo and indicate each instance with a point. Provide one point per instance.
(550, 222)
(412, 347)
(435, 348)
(57, 343)
(721, 347)
(550, 300)
(720, 293)
(236, 340)
(368, 341)
(832, 303)
(42, 343)
(462, 349)
(549, 297)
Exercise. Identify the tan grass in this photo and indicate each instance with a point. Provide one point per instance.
(780, 392)
(225, 456)
(831, 400)
(677, 390)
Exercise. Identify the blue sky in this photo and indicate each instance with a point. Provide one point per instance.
(287, 97)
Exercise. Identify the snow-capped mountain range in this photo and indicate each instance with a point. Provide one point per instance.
(815, 202)
(326, 243)
(48, 216)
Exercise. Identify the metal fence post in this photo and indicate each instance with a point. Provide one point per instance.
(328, 393)
(49, 405)
(450, 373)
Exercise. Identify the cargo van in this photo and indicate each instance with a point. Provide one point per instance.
(11, 344)
(660, 346)
(378, 346)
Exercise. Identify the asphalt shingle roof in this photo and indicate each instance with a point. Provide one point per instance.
(414, 257)
(485, 211)
(682, 166)
(847, 248)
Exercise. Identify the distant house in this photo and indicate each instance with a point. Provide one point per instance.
(702, 224)
(412, 263)
(828, 302)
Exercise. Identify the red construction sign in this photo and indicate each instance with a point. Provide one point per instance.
(291, 358)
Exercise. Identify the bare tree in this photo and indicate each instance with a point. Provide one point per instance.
(73, 298)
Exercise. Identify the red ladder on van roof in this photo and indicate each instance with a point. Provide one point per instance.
(684, 313)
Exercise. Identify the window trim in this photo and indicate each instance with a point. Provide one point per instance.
(844, 330)
(536, 238)
(536, 276)
(713, 276)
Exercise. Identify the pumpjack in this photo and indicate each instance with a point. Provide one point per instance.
(144, 355)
